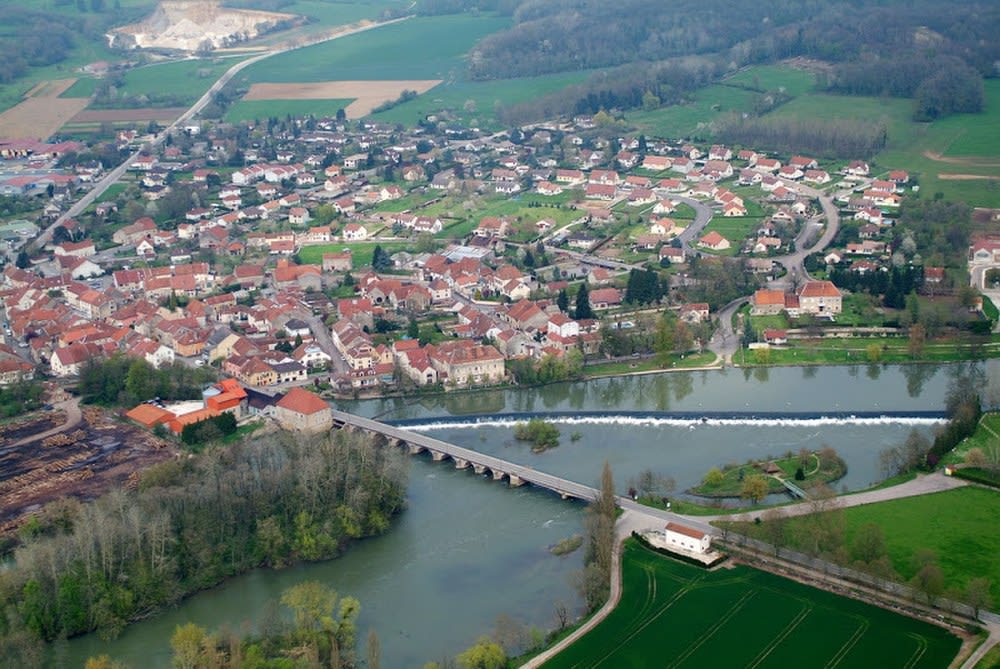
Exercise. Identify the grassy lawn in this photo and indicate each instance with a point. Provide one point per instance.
(958, 525)
(734, 229)
(678, 615)
(524, 210)
(259, 110)
(732, 477)
(791, 80)
(649, 365)
(986, 435)
(693, 119)
(385, 53)
(771, 322)
(361, 252)
(861, 350)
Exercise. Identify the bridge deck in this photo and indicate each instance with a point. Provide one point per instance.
(527, 474)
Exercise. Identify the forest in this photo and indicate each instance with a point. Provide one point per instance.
(36, 38)
(190, 524)
(933, 52)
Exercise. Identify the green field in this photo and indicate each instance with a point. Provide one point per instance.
(790, 80)
(986, 435)
(958, 525)
(421, 48)
(972, 135)
(735, 229)
(361, 252)
(259, 110)
(693, 119)
(185, 79)
(474, 103)
(675, 615)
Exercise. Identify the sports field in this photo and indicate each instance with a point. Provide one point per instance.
(675, 615)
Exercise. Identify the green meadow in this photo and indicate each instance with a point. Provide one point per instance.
(259, 110)
(420, 48)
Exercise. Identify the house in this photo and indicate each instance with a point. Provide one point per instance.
(302, 411)
(714, 241)
(656, 163)
(671, 254)
(775, 337)
(605, 298)
(337, 262)
(696, 312)
(355, 232)
(687, 539)
(820, 298)
(491, 226)
(767, 302)
(857, 168)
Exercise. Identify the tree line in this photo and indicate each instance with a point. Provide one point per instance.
(841, 138)
(190, 524)
(126, 381)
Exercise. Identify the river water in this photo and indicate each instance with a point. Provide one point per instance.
(468, 549)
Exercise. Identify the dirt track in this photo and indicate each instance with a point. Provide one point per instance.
(945, 176)
(366, 94)
(959, 160)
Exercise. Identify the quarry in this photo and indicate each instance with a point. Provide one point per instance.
(198, 25)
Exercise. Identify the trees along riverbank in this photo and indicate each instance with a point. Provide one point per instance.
(191, 524)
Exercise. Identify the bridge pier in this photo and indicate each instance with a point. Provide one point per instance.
(438, 456)
(415, 449)
(515, 481)
(497, 475)
(460, 463)
(563, 495)
(479, 469)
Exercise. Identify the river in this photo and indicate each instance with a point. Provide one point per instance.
(468, 549)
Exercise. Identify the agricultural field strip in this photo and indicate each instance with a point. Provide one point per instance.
(718, 625)
(849, 644)
(804, 612)
(650, 599)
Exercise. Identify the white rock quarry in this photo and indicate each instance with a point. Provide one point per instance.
(193, 25)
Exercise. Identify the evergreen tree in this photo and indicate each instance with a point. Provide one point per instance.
(563, 301)
(583, 309)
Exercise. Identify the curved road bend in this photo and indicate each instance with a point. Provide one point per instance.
(116, 173)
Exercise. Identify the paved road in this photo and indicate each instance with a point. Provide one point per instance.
(116, 173)
(794, 262)
(702, 215)
(922, 485)
(321, 333)
(725, 342)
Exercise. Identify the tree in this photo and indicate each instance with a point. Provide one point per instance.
(186, 644)
(413, 329)
(755, 488)
(869, 544)
(977, 594)
(714, 477)
(929, 580)
(583, 308)
(484, 654)
(775, 529)
(380, 259)
(563, 301)
(23, 260)
(311, 603)
(595, 579)
(918, 336)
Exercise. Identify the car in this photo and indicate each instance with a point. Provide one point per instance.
(199, 363)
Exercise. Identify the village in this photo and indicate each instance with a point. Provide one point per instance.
(362, 258)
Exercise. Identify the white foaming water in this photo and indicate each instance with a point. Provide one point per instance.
(683, 422)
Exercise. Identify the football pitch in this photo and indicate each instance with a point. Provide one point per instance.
(675, 615)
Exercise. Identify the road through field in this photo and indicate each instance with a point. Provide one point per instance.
(115, 174)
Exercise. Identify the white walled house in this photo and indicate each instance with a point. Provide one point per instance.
(682, 537)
